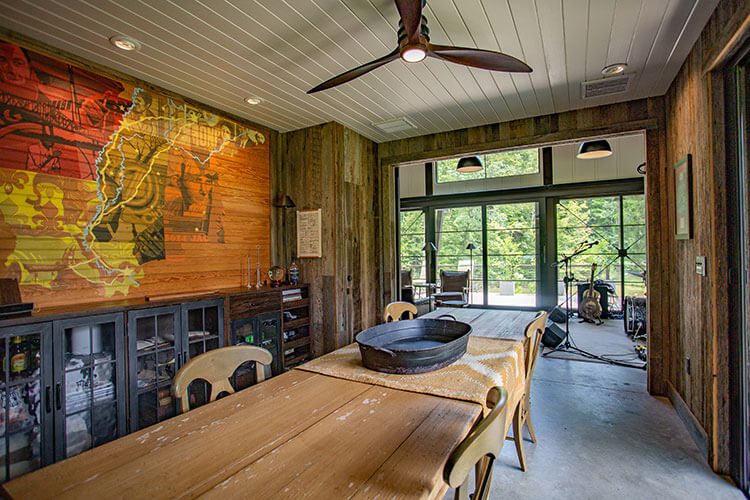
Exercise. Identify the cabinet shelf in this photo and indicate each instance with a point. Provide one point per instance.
(296, 304)
(296, 323)
(296, 359)
(154, 386)
(297, 342)
(19, 381)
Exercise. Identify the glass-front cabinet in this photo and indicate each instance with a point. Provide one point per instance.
(203, 331)
(155, 351)
(89, 392)
(161, 340)
(26, 395)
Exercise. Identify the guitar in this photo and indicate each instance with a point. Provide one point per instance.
(590, 309)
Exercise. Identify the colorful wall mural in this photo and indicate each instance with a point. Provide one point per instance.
(104, 183)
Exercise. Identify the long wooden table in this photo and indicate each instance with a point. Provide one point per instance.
(298, 434)
(492, 323)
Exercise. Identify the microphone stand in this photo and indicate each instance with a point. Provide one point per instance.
(566, 344)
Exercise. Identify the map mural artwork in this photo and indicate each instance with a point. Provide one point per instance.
(100, 178)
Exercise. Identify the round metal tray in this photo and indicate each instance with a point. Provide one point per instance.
(413, 346)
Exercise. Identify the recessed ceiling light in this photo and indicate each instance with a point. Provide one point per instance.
(253, 100)
(125, 42)
(614, 69)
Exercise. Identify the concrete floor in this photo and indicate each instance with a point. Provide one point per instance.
(608, 339)
(602, 436)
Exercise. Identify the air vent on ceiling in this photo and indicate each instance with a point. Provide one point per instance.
(605, 86)
(395, 125)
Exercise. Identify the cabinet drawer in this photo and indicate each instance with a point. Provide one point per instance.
(243, 306)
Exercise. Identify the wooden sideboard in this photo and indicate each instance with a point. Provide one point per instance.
(73, 378)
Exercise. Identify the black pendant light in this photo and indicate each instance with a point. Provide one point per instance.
(469, 164)
(591, 150)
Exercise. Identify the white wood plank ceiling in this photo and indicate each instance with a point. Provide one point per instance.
(221, 51)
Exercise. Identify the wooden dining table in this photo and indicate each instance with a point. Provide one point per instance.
(300, 434)
(490, 323)
(297, 435)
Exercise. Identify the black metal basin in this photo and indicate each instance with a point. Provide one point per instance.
(413, 346)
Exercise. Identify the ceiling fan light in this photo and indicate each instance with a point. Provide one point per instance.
(469, 164)
(591, 150)
(413, 54)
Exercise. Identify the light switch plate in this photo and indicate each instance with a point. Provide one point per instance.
(700, 265)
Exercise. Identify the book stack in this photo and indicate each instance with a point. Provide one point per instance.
(291, 295)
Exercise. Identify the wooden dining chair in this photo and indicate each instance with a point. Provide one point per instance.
(522, 415)
(478, 451)
(216, 367)
(395, 310)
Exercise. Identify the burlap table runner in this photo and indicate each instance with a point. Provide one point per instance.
(487, 363)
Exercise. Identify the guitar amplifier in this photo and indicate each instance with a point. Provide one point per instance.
(604, 289)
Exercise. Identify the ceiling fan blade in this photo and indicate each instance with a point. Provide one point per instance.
(478, 58)
(411, 17)
(350, 75)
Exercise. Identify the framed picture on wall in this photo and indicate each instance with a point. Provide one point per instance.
(683, 194)
(309, 234)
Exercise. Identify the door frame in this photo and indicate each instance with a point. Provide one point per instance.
(737, 84)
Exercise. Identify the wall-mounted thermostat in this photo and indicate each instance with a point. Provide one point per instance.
(700, 265)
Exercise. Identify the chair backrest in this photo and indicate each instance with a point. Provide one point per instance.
(454, 281)
(215, 367)
(395, 310)
(534, 332)
(485, 440)
(406, 278)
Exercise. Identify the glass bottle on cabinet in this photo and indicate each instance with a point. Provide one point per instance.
(155, 347)
(89, 393)
(26, 422)
(203, 331)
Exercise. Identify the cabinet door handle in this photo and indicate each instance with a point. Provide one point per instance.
(58, 397)
(179, 360)
(48, 398)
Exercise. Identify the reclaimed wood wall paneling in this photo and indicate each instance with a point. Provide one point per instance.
(333, 168)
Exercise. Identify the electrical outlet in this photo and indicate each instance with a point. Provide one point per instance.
(700, 265)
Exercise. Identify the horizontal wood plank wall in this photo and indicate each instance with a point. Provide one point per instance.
(695, 126)
(640, 115)
(115, 188)
(333, 168)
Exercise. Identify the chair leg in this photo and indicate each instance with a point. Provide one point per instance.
(462, 492)
(527, 420)
(518, 435)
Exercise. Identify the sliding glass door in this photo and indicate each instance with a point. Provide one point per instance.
(496, 244)
(457, 230)
(412, 255)
(512, 249)
(618, 224)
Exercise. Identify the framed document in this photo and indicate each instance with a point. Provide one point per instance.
(309, 234)
(683, 189)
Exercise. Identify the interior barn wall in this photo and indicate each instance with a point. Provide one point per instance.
(113, 188)
(695, 126)
(333, 168)
(639, 115)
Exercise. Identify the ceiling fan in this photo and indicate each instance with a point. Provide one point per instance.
(414, 46)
